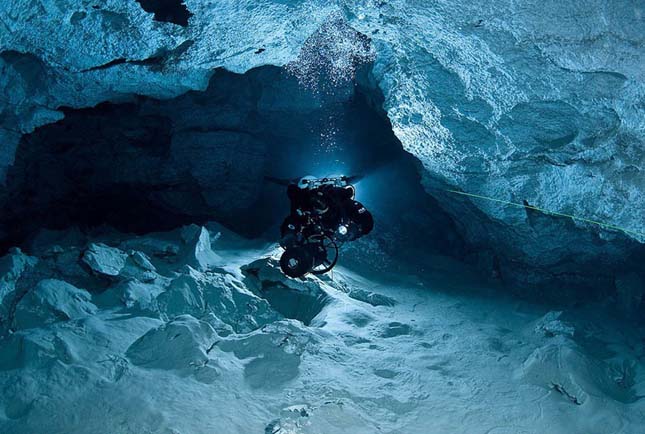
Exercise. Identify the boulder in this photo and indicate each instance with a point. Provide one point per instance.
(51, 301)
(183, 296)
(179, 344)
(197, 251)
(133, 294)
(104, 260)
(564, 368)
(223, 296)
(551, 325)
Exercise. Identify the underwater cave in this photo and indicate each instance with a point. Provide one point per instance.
(459, 196)
(149, 165)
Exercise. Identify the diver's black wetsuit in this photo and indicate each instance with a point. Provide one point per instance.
(329, 207)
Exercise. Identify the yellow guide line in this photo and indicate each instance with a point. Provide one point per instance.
(546, 211)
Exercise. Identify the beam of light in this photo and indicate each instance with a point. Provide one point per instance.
(553, 213)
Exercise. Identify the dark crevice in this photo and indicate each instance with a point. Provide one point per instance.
(170, 11)
(155, 62)
(151, 61)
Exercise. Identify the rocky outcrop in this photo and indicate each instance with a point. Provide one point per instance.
(52, 300)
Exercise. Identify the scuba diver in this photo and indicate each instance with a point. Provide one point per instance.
(324, 215)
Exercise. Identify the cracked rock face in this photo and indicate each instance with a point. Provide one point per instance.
(537, 102)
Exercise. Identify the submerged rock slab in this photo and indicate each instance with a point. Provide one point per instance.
(181, 343)
(565, 369)
(104, 260)
(50, 301)
(198, 252)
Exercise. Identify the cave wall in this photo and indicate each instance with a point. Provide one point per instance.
(535, 102)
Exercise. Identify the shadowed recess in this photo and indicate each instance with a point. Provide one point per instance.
(148, 165)
(169, 11)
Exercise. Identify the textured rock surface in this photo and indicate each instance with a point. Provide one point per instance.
(52, 300)
(525, 104)
(104, 259)
(522, 101)
(174, 345)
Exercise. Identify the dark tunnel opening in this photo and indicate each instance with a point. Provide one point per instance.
(169, 11)
(150, 165)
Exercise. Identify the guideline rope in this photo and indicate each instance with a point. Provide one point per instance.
(554, 213)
